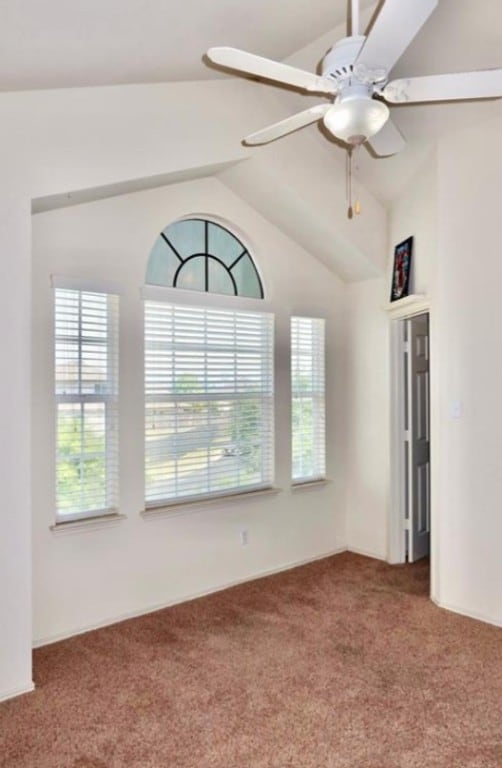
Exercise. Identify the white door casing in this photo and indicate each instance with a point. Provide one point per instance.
(417, 419)
(400, 312)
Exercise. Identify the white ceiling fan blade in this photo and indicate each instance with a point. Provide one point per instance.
(395, 27)
(388, 141)
(483, 84)
(289, 124)
(233, 58)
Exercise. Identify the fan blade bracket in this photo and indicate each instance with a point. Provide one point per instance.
(323, 85)
(376, 76)
(396, 25)
(396, 92)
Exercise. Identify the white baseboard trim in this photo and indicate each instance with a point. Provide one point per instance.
(13, 692)
(470, 614)
(366, 553)
(38, 643)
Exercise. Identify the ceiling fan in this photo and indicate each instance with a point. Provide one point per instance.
(355, 77)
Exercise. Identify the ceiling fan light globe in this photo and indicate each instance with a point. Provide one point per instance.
(356, 118)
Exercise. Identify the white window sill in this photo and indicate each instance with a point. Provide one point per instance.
(309, 484)
(191, 506)
(87, 524)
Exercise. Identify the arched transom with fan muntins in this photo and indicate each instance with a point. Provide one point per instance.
(200, 255)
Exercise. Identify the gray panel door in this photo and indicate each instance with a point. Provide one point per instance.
(419, 442)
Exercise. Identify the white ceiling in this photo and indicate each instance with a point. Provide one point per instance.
(57, 43)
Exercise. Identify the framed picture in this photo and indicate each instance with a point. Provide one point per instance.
(401, 269)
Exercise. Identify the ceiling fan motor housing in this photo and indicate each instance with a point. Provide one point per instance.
(356, 116)
(339, 61)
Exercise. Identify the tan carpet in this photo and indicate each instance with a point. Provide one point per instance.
(343, 663)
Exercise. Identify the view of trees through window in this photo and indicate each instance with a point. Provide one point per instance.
(86, 387)
(209, 394)
(81, 457)
(195, 447)
(307, 386)
(303, 436)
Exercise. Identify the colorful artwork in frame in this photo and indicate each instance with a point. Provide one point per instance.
(401, 269)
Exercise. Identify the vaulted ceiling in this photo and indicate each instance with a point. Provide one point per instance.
(58, 44)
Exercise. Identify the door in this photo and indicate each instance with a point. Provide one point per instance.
(417, 432)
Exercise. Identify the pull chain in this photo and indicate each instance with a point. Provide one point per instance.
(353, 208)
(348, 180)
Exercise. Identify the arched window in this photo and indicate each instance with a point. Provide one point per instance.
(200, 255)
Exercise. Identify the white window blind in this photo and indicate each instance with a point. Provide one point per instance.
(209, 402)
(86, 388)
(308, 396)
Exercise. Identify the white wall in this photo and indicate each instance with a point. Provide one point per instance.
(367, 426)
(88, 578)
(467, 299)
(15, 527)
(415, 213)
(71, 140)
(458, 265)
(368, 365)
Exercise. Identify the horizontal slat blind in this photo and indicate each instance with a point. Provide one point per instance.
(86, 388)
(308, 399)
(209, 401)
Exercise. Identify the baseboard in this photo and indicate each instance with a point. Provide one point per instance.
(185, 599)
(366, 553)
(13, 692)
(470, 614)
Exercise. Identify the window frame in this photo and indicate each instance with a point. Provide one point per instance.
(316, 395)
(181, 260)
(203, 301)
(109, 399)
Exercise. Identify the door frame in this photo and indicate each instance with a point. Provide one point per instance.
(398, 313)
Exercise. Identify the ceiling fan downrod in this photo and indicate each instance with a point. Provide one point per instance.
(354, 18)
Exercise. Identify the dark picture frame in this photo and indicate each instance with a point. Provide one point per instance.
(401, 269)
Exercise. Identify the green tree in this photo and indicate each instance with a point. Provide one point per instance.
(303, 436)
(81, 465)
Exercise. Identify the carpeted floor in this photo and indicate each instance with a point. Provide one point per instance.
(343, 663)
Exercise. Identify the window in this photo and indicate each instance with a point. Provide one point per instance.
(201, 255)
(209, 402)
(308, 392)
(86, 387)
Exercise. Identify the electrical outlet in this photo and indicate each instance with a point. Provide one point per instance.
(244, 537)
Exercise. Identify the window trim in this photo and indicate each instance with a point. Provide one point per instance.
(196, 305)
(319, 478)
(109, 400)
(87, 523)
(200, 298)
(232, 231)
(192, 505)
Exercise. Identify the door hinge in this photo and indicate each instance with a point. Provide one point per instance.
(407, 524)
